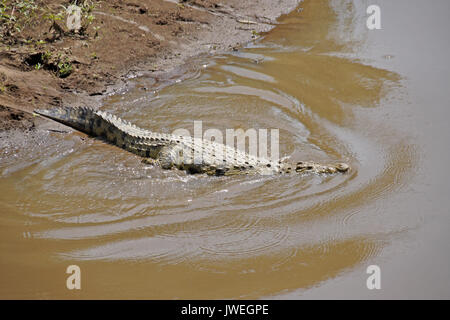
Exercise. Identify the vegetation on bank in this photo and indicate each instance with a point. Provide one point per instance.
(22, 20)
(19, 18)
(49, 58)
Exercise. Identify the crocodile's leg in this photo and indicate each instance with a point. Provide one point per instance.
(180, 157)
(167, 156)
(151, 161)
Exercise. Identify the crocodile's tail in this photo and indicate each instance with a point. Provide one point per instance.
(99, 124)
(82, 118)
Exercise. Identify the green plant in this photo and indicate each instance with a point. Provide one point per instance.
(96, 31)
(87, 17)
(15, 15)
(7, 19)
(4, 9)
(38, 66)
(64, 69)
(26, 8)
(46, 56)
(53, 17)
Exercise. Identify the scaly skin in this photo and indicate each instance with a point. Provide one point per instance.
(179, 152)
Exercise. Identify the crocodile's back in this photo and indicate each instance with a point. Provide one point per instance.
(204, 156)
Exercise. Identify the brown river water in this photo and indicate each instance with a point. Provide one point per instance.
(337, 91)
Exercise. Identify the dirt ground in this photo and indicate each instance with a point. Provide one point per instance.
(43, 63)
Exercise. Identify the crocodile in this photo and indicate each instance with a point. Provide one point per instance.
(194, 155)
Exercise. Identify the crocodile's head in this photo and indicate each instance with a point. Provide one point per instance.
(319, 168)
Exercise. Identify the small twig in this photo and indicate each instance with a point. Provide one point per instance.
(247, 21)
(57, 131)
(12, 14)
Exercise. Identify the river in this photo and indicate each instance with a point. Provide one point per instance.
(337, 91)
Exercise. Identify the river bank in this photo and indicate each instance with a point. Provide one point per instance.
(44, 64)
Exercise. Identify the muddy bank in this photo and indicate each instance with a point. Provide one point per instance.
(44, 63)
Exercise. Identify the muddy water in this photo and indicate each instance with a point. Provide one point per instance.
(335, 92)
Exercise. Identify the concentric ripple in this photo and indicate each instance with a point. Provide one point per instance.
(84, 201)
